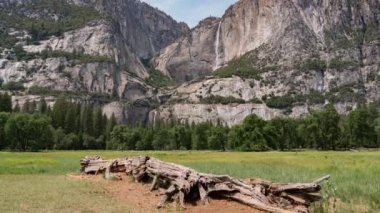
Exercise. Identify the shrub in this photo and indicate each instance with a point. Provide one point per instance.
(315, 64)
(13, 86)
(216, 99)
(6, 40)
(242, 67)
(341, 65)
(70, 17)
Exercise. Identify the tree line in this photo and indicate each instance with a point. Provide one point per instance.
(70, 125)
(323, 130)
(67, 125)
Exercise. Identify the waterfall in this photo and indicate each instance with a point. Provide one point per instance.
(154, 118)
(217, 43)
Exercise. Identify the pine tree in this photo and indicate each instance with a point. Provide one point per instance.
(5, 103)
(17, 108)
(59, 112)
(42, 107)
(104, 126)
(32, 107)
(26, 107)
(48, 111)
(88, 121)
(110, 125)
(70, 119)
(98, 122)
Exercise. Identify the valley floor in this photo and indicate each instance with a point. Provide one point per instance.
(42, 182)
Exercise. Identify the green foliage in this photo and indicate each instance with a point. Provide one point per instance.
(3, 120)
(248, 136)
(68, 125)
(216, 99)
(182, 137)
(42, 106)
(110, 125)
(199, 136)
(362, 127)
(21, 54)
(280, 102)
(340, 65)
(5, 102)
(29, 132)
(88, 120)
(289, 100)
(315, 64)
(83, 126)
(7, 41)
(345, 93)
(13, 86)
(377, 130)
(244, 67)
(328, 130)
(256, 101)
(158, 79)
(315, 97)
(76, 56)
(69, 17)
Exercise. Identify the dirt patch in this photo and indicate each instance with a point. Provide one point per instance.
(139, 197)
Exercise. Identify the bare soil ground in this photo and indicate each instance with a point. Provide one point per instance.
(139, 197)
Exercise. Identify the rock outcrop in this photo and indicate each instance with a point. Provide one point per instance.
(283, 36)
(288, 48)
(112, 47)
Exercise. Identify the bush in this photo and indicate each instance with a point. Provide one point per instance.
(280, 102)
(29, 132)
(13, 86)
(315, 64)
(70, 17)
(7, 41)
(341, 65)
(243, 67)
(83, 58)
(216, 99)
(21, 54)
(158, 79)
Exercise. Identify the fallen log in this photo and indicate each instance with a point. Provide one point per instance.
(183, 184)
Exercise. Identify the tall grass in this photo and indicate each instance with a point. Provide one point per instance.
(354, 175)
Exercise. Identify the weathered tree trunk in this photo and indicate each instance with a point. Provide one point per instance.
(184, 184)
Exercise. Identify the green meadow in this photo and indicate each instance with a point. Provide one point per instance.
(38, 182)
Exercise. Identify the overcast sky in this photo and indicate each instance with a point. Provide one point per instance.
(192, 11)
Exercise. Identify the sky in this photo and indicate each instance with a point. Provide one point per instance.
(192, 11)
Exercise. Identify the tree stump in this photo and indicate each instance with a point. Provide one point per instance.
(184, 184)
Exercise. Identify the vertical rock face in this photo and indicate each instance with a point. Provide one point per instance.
(288, 29)
(105, 58)
(191, 56)
(128, 31)
(285, 48)
(145, 29)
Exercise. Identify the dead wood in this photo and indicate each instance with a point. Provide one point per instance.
(183, 184)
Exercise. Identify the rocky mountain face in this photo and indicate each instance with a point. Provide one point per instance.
(293, 56)
(101, 57)
(272, 58)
